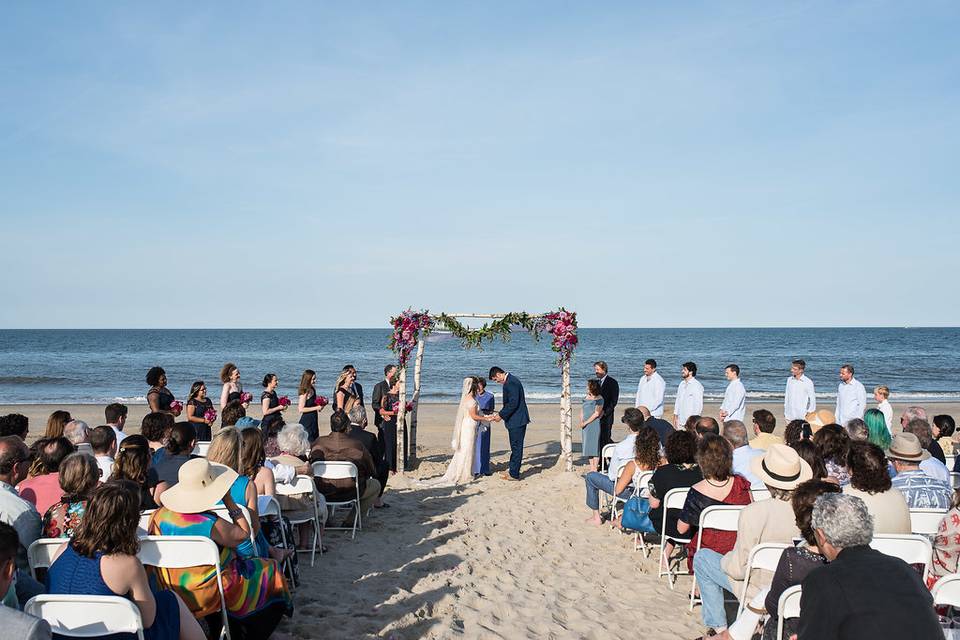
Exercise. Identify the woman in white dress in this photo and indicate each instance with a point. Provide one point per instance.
(464, 435)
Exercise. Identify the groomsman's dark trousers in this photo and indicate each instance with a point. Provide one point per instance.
(516, 436)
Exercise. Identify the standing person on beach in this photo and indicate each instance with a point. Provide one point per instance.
(481, 456)
(800, 397)
(159, 397)
(354, 387)
(272, 410)
(851, 397)
(515, 416)
(590, 414)
(307, 404)
(116, 417)
(734, 405)
(882, 395)
(689, 396)
(610, 392)
(231, 390)
(650, 389)
(198, 404)
(381, 389)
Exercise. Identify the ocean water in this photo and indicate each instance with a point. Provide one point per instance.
(100, 366)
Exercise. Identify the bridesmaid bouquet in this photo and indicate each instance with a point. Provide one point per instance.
(210, 414)
(321, 401)
(176, 406)
(407, 407)
(245, 397)
(284, 401)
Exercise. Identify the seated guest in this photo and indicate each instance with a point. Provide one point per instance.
(180, 444)
(156, 428)
(735, 432)
(103, 441)
(661, 426)
(115, 415)
(691, 425)
(720, 485)
(17, 512)
(919, 489)
(795, 563)
(793, 432)
(877, 432)
(934, 465)
(337, 446)
(646, 457)
(860, 592)
(764, 423)
(102, 560)
(14, 623)
(374, 447)
(870, 482)
(857, 430)
(255, 590)
(42, 486)
(133, 463)
(943, 429)
(55, 424)
(833, 443)
(79, 476)
(680, 472)
(914, 420)
(811, 455)
(14, 424)
(706, 425)
(623, 450)
(946, 544)
(771, 520)
(225, 449)
(294, 444)
(77, 432)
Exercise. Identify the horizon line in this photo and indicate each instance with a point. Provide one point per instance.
(387, 328)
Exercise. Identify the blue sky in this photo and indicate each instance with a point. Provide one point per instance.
(647, 164)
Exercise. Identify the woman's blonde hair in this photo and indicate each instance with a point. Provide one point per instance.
(349, 400)
(883, 390)
(225, 448)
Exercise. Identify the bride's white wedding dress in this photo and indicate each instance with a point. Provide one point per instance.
(464, 441)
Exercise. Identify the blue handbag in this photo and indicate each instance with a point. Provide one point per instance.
(636, 515)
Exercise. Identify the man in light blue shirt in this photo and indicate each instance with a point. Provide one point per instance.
(735, 432)
(918, 489)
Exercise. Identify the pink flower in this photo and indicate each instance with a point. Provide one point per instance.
(284, 401)
(210, 414)
(245, 397)
(321, 401)
(409, 406)
(176, 406)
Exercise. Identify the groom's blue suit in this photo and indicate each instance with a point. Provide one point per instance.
(516, 418)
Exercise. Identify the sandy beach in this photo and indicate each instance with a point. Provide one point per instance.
(492, 559)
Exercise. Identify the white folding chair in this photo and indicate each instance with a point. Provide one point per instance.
(145, 516)
(86, 616)
(609, 499)
(85, 447)
(181, 552)
(926, 521)
(673, 500)
(765, 555)
(221, 511)
(300, 486)
(340, 470)
(268, 507)
(719, 517)
(946, 591)
(759, 494)
(954, 478)
(41, 553)
(201, 449)
(912, 549)
(950, 460)
(788, 607)
(605, 454)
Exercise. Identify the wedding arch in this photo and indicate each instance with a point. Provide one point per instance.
(411, 328)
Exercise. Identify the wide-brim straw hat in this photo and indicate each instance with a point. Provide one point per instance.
(819, 418)
(780, 467)
(907, 448)
(201, 485)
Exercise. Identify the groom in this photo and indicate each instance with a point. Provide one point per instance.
(514, 414)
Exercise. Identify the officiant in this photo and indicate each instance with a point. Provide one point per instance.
(481, 452)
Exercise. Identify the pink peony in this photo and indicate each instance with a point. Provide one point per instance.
(245, 397)
(321, 401)
(210, 414)
(176, 406)
(284, 401)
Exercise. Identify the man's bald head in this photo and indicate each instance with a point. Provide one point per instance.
(646, 412)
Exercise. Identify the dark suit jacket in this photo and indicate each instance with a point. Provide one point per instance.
(866, 594)
(661, 426)
(340, 446)
(380, 390)
(514, 411)
(369, 441)
(610, 392)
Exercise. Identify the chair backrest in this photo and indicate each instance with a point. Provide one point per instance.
(926, 521)
(334, 470)
(954, 478)
(268, 507)
(85, 447)
(41, 552)
(642, 481)
(145, 516)
(201, 449)
(722, 517)
(86, 616)
(947, 590)
(759, 494)
(300, 485)
(950, 460)
(605, 454)
(221, 511)
(673, 500)
(912, 549)
(765, 555)
(788, 607)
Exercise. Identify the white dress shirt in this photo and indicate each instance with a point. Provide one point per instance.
(799, 399)
(120, 435)
(887, 412)
(689, 400)
(734, 401)
(622, 452)
(106, 466)
(851, 401)
(650, 392)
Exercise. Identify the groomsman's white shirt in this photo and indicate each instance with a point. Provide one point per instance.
(887, 412)
(650, 393)
(851, 401)
(800, 398)
(734, 401)
(689, 400)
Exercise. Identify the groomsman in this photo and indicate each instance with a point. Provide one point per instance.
(610, 392)
(650, 389)
(734, 405)
(851, 397)
(800, 397)
(481, 456)
(381, 389)
(689, 395)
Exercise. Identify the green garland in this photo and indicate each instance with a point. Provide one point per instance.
(497, 329)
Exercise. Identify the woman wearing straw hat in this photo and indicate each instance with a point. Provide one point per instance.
(256, 592)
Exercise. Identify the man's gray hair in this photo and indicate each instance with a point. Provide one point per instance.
(913, 413)
(77, 432)
(735, 432)
(844, 520)
(857, 429)
(293, 439)
(921, 429)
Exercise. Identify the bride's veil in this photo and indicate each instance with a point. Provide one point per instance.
(462, 410)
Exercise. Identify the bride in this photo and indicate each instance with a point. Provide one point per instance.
(464, 435)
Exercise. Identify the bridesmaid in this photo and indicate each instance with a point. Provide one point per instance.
(158, 396)
(590, 423)
(230, 377)
(272, 420)
(197, 406)
(306, 404)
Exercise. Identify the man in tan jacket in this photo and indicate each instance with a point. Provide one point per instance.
(338, 446)
(772, 520)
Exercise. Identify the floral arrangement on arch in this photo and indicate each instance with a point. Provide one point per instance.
(562, 325)
(407, 329)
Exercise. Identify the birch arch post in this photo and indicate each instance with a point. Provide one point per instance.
(411, 328)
